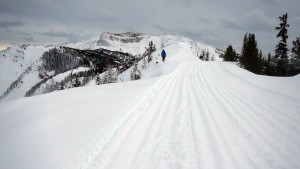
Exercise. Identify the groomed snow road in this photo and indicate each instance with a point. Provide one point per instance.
(202, 116)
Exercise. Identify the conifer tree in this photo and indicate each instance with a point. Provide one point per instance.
(230, 54)
(135, 73)
(202, 55)
(268, 70)
(98, 80)
(61, 86)
(249, 55)
(207, 56)
(149, 50)
(110, 75)
(243, 59)
(76, 82)
(295, 60)
(260, 62)
(281, 48)
(272, 63)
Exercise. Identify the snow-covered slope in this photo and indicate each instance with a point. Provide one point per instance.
(193, 114)
(20, 65)
(202, 116)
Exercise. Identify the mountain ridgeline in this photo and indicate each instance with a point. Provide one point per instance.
(28, 70)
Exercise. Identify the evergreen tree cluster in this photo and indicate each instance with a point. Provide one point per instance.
(60, 60)
(63, 59)
(295, 58)
(281, 64)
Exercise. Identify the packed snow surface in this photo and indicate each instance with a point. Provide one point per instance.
(194, 114)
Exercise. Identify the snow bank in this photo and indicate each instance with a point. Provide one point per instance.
(46, 131)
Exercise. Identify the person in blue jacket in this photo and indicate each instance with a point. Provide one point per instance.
(163, 55)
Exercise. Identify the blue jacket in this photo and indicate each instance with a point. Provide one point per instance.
(163, 53)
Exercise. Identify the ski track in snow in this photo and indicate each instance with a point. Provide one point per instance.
(201, 116)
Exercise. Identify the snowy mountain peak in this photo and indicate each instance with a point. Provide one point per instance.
(135, 43)
(107, 39)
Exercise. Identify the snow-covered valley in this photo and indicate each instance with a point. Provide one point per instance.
(184, 113)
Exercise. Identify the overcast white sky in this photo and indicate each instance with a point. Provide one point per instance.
(215, 22)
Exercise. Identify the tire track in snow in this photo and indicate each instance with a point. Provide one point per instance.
(89, 154)
(258, 107)
(214, 110)
(162, 148)
(190, 119)
(229, 114)
(194, 118)
(286, 101)
(154, 117)
(129, 132)
(211, 155)
(170, 153)
(181, 145)
(110, 165)
(218, 113)
(252, 124)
